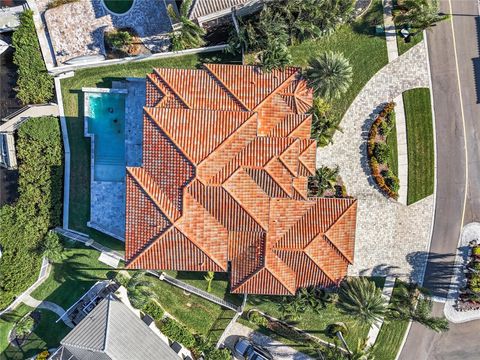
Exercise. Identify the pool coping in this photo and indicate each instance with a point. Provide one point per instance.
(86, 91)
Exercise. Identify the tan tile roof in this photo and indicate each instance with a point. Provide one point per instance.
(226, 156)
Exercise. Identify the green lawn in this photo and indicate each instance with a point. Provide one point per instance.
(197, 314)
(79, 212)
(71, 278)
(366, 53)
(414, 40)
(421, 157)
(393, 149)
(391, 336)
(312, 322)
(220, 284)
(46, 335)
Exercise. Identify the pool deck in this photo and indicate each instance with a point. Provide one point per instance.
(107, 198)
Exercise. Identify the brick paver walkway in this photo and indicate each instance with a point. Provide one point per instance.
(391, 239)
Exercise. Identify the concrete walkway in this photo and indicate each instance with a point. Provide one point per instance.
(277, 350)
(392, 51)
(13, 121)
(391, 239)
(48, 305)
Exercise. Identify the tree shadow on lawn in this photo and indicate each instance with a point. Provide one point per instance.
(373, 17)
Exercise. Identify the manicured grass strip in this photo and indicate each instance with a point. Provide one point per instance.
(80, 146)
(421, 157)
(71, 278)
(391, 336)
(393, 149)
(197, 314)
(46, 335)
(366, 53)
(402, 46)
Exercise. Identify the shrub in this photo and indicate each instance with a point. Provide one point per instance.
(392, 183)
(476, 250)
(122, 279)
(39, 206)
(256, 318)
(381, 152)
(52, 247)
(56, 3)
(154, 310)
(389, 107)
(34, 84)
(475, 266)
(24, 326)
(177, 332)
(275, 56)
(43, 355)
(118, 39)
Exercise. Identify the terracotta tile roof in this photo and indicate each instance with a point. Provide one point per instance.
(223, 186)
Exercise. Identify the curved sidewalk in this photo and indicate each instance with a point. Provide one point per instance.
(392, 239)
(48, 305)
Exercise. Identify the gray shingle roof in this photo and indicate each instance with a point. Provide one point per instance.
(206, 7)
(113, 331)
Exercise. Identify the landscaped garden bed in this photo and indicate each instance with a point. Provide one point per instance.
(122, 43)
(327, 182)
(420, 144)
(381, 151)
(469, 297)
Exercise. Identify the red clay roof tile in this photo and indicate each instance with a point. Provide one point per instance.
(226, 156)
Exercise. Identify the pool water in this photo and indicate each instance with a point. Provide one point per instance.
(106, 121)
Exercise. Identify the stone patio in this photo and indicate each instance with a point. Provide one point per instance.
(77, 29)
(391, 239)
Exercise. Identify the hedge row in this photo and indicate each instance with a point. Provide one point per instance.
(39, 206)
(197, 344)
(34, 85)
(377, 153)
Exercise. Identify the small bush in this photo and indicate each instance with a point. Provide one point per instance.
(256, 318)
(381, 152)
(122, 279)
(177, 332)
(475, 266)
(118, 39)
(43, 355)
(154, 310)
(56, 3)
(24, 326)
(393, 183)
(476, 251)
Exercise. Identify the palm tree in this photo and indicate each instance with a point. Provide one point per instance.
(188, 34)
(275, 56)
(411, 302)
(323, 126)
(209, 278)
(324, 179)
(421, 14)
(140, 290)
(360, 298)
(292, 307)
(362, 351)
(52, 248)
(330, 75)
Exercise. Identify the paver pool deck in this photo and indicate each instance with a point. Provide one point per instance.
(391, 239)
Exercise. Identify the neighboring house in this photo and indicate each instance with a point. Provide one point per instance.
(223, 187)
(111, 331)
(207, 12)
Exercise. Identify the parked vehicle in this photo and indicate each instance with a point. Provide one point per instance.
(245, 349)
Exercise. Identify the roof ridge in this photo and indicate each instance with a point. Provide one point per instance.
(347, 209)
(271, 161)
(170, 136)
(172, 88)
(107, 318)
(327, 274)
(210, 70)
(278, 88)
(171, 212)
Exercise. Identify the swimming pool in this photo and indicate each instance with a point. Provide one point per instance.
(105, 113)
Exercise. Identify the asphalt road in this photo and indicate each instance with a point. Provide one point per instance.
(455, 66)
